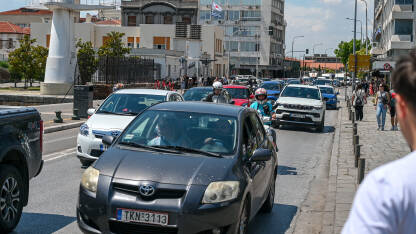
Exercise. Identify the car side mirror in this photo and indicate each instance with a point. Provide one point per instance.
(252, 96)
(261, 155)
(326, 99)
(108, 140)
(337, 93)
(90, 111)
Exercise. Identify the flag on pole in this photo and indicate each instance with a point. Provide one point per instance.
(216, 10)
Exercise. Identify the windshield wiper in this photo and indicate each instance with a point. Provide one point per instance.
(190, 150)
(129, 113)
(148, 147)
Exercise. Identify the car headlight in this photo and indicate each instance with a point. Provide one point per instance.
(221, 191)
(317, 107)
(84, 130)
(89, 179)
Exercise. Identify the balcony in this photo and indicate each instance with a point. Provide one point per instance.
(402, 8)
(402, 38)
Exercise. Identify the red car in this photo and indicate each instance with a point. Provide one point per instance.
(240, 94)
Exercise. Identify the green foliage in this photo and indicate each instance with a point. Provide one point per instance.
(345, 49)
(28, 61)
(4, 64)
(87, 63)
(114, 47)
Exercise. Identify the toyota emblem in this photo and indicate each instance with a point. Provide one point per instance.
(147, 190)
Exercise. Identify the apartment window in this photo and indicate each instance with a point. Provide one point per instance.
(186, 19)
(204, 15)
(137, 42)
(249, 31)
(404, 2)
(243, 60)
(248, 46)
(205, 2)
(131, 20)
(233, 15)
(161, 43)
(48, 40)
(234, 2)
(10, 44)
(148, 19)
(130, 42)
(218, 45)
(251, 15)
(231, 46)
(167, 19)
(403, 27)
(219, 15)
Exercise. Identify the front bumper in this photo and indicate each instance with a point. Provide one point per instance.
(89, 148)
(298, 118)
(97, 214)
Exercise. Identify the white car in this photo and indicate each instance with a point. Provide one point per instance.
(114, 114)
(301, 105)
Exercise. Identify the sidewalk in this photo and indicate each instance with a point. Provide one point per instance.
(378, 147)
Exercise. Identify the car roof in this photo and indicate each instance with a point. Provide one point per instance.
(325, 86)
(235, 87)
(200, 107)
(205, 87)
(302, 86)
(145, 91)
(272, 82)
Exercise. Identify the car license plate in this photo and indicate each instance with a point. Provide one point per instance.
(141, 216)
(297, 116)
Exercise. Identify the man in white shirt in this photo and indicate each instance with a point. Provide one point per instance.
(386, 200)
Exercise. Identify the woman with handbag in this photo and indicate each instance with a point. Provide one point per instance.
(382, 101)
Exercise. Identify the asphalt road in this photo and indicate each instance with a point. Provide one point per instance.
(53, 194)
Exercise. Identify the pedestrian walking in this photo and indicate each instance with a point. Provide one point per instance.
(393, 115)
(359, 98)
(382, 101)
(385, 201)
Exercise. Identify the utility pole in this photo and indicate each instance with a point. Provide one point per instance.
(366, 27)
(293, 42)
(354, 47)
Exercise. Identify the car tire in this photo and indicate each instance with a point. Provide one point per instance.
(321, 126)
(269, 203)
(243, 219)
(11, 198)
(85, 163)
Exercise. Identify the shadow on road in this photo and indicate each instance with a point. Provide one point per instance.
(284, 170)
(42, 223)
(277, 222)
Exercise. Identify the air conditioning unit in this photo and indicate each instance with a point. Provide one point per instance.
(220, 22)
(257, 7)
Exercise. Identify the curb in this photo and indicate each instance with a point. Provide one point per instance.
(62, 127)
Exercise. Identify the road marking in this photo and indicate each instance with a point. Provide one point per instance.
(59, 139)
(61, 154)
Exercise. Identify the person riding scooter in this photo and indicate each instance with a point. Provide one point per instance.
(216, 96)
(261, 105)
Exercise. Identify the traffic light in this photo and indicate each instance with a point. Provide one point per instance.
(307, 51)
(270, 30)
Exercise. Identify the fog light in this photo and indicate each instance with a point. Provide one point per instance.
(79, 149)
(216, 231)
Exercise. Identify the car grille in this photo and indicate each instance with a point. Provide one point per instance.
(96, 153)
(127, 228)
(304, 120)
(161, 193)
(297, 107)
(100, 134)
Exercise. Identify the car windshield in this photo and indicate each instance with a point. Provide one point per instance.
(196, 94)
(196, 131)
(326, 90)
(294, 82)
(301, 92)
(323, 82)
(271, 86)
(129, 103)
(238, 93)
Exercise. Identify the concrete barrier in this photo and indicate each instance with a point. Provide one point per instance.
(62, 127)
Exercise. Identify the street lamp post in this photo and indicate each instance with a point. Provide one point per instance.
(293, 42)
(361, 32)
(354, 46)
(327, 55)
(366, 27)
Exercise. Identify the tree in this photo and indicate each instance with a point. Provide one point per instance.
(28, 61)
(113, 46)
(87, 63)
(345, 49)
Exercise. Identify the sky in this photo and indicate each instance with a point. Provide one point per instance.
(319, 21)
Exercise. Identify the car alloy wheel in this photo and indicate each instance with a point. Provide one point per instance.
(268, 204)
(243, 223)
(11, 185)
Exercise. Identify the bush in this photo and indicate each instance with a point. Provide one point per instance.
(4, 75)
(4, 64)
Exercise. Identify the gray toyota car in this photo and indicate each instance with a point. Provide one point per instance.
(186, 167)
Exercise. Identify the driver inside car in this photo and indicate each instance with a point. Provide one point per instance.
(168, 134)
(223, 138)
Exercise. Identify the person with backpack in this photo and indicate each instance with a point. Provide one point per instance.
(359, 98)
(382, 101)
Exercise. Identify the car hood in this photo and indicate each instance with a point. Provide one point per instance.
(239, 102)
(109, 122)
(327, 95)
(299, 101)
(184, 169)
(272, 92)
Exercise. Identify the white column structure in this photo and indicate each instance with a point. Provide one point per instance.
(60, 65)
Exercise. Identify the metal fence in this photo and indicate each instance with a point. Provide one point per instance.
(126, 70)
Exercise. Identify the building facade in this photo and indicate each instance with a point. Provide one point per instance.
(10, 35)
(137, 12)
(23, 17)
(254, 34)
(394, 28)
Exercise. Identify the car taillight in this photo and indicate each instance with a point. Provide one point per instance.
(41, 135)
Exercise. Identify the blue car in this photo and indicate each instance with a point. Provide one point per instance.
(329, 95)
(273, 89)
